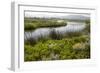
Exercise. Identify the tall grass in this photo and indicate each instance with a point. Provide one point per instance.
(55, 35)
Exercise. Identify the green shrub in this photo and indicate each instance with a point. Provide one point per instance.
(51, 49)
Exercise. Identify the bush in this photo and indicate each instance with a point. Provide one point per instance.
(67, 48)
(79, 46)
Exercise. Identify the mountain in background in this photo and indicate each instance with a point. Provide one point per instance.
(77, 17)
(68, 17)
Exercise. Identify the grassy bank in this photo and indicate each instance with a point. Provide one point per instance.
(33, 23)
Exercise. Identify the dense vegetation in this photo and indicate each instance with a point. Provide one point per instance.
(71, 48)
(56, 46)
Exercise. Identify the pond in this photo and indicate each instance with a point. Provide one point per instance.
(70, 27)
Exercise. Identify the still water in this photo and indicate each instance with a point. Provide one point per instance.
(70, 27)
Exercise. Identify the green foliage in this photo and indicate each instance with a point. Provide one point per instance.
(33, 23)
(87, 29)
(75, 34)
(58, 49)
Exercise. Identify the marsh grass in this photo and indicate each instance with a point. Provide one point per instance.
(33, 23)
(55, 35)
(66, 48)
